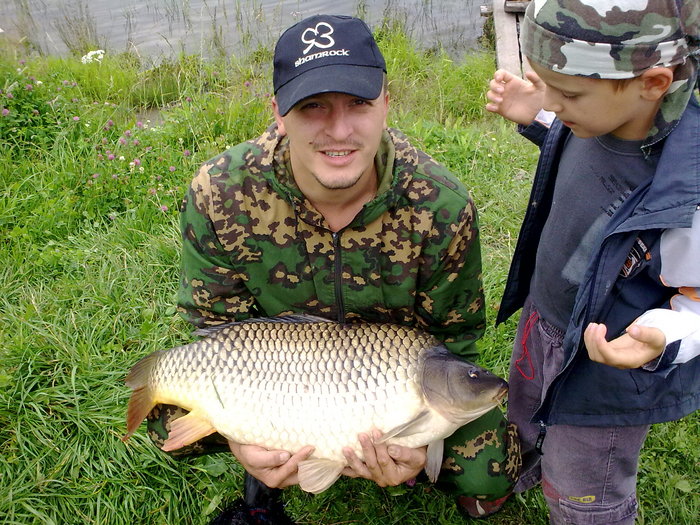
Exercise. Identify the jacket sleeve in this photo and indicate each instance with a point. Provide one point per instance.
(537, 130)
(211, 291)
(451, 300)
(680, 253)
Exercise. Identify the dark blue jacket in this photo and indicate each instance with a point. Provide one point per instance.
(593, 394)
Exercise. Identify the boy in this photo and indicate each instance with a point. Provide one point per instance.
(606, 267)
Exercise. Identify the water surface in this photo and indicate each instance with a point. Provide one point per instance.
(157, 28)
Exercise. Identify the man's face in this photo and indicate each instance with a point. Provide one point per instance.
(593, 107)
(334, 137)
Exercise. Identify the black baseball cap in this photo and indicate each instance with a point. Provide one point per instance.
(326, 54)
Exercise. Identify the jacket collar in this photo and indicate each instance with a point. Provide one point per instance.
(671, 197)
(393, 160)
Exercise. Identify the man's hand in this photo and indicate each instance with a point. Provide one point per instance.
(633, 349)
(514, 98)
(275, 468)
(386, 465)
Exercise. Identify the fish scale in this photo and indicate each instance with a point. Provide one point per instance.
(285, 383)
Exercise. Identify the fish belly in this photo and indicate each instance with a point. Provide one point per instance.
(328, 420)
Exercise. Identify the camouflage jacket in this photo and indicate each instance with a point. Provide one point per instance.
(254, 246)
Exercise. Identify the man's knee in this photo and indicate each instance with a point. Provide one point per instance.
(482, 459)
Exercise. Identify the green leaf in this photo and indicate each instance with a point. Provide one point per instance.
(684, 486)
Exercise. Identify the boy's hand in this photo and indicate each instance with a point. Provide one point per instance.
(275, 468)
(514, 98)
(386, 465)
(633, 349)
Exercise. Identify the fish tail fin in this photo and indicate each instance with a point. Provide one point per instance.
(142, 397)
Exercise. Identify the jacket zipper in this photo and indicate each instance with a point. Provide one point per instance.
(540, 438)
(337, 278)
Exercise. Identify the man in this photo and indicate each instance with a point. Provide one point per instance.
(329, 213)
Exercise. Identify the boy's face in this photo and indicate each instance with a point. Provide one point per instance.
(593, 107)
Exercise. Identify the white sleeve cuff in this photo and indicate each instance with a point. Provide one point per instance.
(676, 326)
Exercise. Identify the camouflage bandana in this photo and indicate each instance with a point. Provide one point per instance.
(617, 39)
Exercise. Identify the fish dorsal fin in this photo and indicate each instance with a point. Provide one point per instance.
(187, 429)
(316, 475)
(433, 462)
(413, 426)
(289, 319)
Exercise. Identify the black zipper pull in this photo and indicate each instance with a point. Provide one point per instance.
(540, 438)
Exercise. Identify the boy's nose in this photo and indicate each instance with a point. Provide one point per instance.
(551, 101)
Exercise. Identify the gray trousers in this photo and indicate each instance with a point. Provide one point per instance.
(588, 474)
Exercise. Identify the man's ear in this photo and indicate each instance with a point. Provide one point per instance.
(655, 82)
(386, 107)
(278, 118)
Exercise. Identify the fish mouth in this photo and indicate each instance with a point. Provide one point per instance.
(500, 395)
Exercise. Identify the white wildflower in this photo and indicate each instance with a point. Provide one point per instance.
(93, 56)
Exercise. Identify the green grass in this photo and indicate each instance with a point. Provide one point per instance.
(89, 245)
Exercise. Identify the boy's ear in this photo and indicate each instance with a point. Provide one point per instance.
(655, 82)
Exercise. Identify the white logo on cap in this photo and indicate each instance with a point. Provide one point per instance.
(324, 36)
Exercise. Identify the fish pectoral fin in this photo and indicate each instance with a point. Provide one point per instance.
(316, 475)
(434, 460)
(409, 428)
(187, 429)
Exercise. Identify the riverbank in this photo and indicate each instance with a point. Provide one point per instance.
(90, 182)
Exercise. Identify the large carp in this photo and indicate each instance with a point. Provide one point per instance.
(283, 383)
